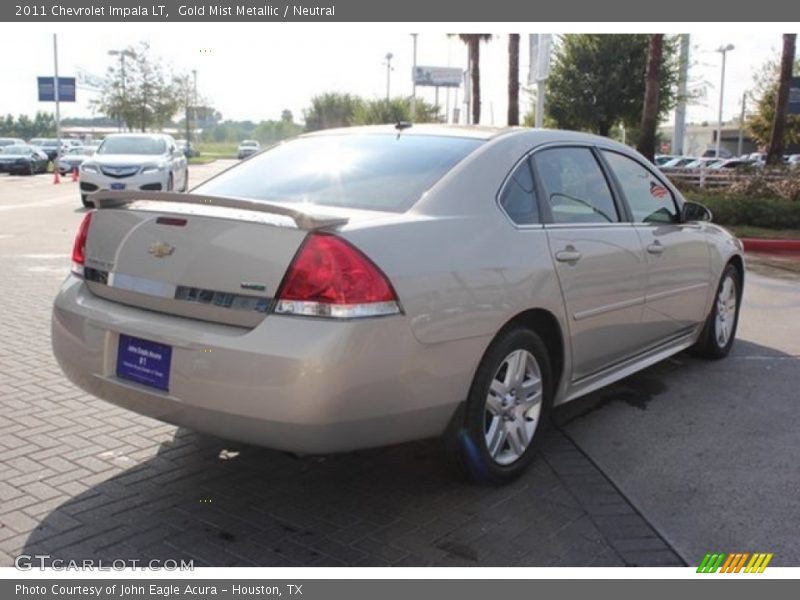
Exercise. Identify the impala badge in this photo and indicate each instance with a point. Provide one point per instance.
(161, 249)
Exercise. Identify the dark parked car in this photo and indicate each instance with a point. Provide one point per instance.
(11, 142)
(23, 159)
(48, 146)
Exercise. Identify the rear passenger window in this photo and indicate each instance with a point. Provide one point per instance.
(649, 199)
(518, 197)
(577, 190)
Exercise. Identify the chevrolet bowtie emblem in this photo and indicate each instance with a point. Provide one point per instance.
(160, 249)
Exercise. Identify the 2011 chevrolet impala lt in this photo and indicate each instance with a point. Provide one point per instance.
(362, 287)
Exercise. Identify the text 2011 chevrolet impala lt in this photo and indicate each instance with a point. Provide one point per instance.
(362, 287)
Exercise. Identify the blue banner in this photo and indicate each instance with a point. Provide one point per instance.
(47, 93)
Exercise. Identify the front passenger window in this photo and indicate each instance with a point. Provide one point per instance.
(649, 199)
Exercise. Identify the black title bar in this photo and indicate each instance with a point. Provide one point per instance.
(397, 11)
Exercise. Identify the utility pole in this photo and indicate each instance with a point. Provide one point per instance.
(722, 50)
(679, 132)
(189, 105)
(740, 144)
(58, 108)
(389, 57)
(413, 79)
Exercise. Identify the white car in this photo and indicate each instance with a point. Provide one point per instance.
(247, 148)
(135, 161)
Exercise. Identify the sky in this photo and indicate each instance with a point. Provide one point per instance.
(255, 70)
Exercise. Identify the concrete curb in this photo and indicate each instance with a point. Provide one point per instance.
(771, 246)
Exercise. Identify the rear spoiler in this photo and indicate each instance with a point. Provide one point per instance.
(303, 220)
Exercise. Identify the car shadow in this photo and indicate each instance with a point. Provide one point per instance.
(222, 503)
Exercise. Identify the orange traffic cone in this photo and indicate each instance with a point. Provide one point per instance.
(56, 178)
(74, 173)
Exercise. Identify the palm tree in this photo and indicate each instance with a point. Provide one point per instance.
(513, 79)
(776, 141)
(647, 137)
(473, 42)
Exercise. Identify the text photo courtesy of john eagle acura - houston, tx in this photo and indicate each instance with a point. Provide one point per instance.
(327, 294)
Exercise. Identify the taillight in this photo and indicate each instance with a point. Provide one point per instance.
(79, 247)
(331, 278)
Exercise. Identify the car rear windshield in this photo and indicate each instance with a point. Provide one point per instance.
(387, 172)
(132, 145)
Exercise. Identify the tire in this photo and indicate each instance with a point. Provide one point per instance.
(85, 202)
(170, 183)
(186, 181)
(492, 437)
(719, 331)
(31, 169)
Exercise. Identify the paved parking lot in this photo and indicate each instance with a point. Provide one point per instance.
(684, 458)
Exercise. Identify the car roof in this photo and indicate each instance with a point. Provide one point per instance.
(471, 131)
(533, 136)
(140, 135)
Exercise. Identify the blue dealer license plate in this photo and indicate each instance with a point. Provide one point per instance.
(144, 362)
(117, 186)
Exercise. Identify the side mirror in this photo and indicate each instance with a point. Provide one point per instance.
(694, 211)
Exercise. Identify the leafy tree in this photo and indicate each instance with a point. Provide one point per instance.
(138, 91)
(598, 80)
(776, 138)
(765, 95)
(42, 125)
(270, 132)
(331, 109)
(376, 112)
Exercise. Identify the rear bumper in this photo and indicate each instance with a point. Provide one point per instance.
(296, 384)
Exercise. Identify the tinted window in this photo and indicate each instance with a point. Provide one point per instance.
(375, 171)
(650, 201)
(577, 190)
(132, 145)
(518, 197)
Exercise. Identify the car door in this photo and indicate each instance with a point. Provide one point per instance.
(598, 257)
(677, 253)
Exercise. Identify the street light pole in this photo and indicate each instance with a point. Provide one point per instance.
(389, 57)
(413, 80)
(741, 126)
(723, 50)
(58, 109)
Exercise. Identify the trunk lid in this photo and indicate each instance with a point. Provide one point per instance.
(203, 262)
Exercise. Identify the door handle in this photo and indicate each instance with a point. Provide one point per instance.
(568, 256)
(655, 248)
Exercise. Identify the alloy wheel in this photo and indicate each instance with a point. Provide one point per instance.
(513, 407)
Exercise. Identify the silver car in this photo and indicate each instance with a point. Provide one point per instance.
(363, 287)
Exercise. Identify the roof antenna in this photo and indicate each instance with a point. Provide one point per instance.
(401, 126)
